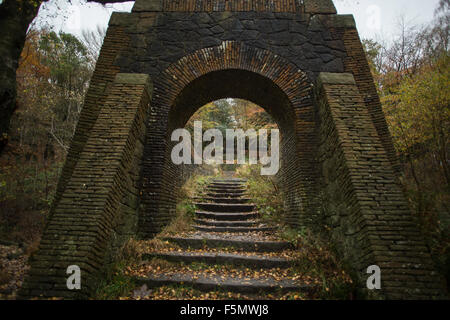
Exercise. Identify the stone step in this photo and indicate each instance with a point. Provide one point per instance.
(223, 200)
(238, 244)
(221, 192)
(227, 216)
(241, 182)
(213, 283)
(227, 186)
(213, 258)
(215, 223)
(233, 229)
(226, 180)
(232, 183)
(225, 190)
(225, 195)
(225, 207)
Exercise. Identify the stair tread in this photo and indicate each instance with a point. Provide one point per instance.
(208, 282)
(218, 213)
(226, 195)
(252, 260)
(241, 238)
(218, 199)
(220, 255)
(228, 215)
(226, 184)
(231, 223)
(234, 228)
(234, 188)
(244, 227)
(228, 187)
(225, 204)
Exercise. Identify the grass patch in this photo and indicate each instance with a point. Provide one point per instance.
(318, 259)
(116, 282)
(265, 194)
(185, 209)
(182, 222)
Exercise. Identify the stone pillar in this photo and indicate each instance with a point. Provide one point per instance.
(148, 5)
(343, 28)
(101, 194)
(363, 205)
(115, 42)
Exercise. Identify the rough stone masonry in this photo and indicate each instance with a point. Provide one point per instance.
(300, 61)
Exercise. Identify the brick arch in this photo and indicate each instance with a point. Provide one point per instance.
(230, 55)
(292, 108)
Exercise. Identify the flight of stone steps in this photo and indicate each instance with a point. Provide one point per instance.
(228, 231)
(226, 208)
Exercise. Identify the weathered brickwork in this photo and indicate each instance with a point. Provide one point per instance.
(338, 164)
(285, 96)
(366, 210)
(310, 6)
(90, 214)
(115, 41)
(232, 5)
(356, 63)
(160, 39)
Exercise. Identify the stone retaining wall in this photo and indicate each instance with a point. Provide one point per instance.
(97, 210)
(366, 211)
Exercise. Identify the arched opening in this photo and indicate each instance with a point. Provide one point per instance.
(234, 83)
(231, 69)
(227, 116)
(238, 84)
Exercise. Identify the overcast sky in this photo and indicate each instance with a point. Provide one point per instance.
(380, 17)
(374, 18)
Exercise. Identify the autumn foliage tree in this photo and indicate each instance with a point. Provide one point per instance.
(52, 80)
(15, 19)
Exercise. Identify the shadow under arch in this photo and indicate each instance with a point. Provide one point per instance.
(231, 70)
(232, 83)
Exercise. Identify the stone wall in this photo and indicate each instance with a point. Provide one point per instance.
(311, 6)
(253, 74)
(311, 40)
(97, 210)
(343, 28)
(366, 211)
(105, 71)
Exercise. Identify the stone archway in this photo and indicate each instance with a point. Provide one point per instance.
(342, 166)
(249, 73)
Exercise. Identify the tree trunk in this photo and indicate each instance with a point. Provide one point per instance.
(15, 17)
